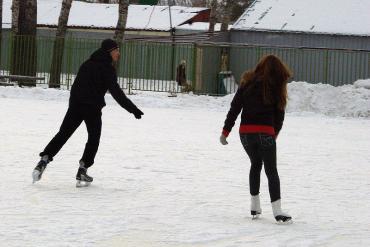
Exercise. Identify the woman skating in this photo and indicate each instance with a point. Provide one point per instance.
(262, 98)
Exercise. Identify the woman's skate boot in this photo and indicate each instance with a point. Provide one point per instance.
(255, 206)
(280, 216)
(40, 168)
(83, 180)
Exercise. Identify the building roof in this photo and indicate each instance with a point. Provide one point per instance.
(345, 17)
(199, 26)
(93, 15)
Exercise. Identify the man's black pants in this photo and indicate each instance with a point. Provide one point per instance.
(261, 149)
(72, 120)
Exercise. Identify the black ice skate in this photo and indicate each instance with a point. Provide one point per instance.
(83, 180)
(39, 170)
(284, 219)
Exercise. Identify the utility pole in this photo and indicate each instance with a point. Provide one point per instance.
(172, 33)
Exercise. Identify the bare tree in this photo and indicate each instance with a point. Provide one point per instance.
(27, 17)
(226, 8)
(122, 20)
(121, 24)
(58, 50)
(15, 17)
(199, 3)
(238, 8)
(1, 28)
(24, 22)
(213, 15)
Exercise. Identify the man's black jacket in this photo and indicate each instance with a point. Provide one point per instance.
(95, 77)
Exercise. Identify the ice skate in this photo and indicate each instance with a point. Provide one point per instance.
(39, 169)
(281, 217)
(255, 207)
(83, 180)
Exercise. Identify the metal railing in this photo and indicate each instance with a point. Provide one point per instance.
(149, 66)
(210, 68)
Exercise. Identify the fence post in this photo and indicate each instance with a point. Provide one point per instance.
(326, 65)
(198, 68)
(195, 61)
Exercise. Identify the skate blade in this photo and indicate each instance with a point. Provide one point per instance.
(35, 176)
(255, 217)
(255, 214)
(287, 222)
(80, 184)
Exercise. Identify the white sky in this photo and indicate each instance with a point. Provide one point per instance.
(319, 16)
(165, 181)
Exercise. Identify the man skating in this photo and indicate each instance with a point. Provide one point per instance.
(95, 77)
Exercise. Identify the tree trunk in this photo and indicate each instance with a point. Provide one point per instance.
(1, 28)
(199, 3)
(24, 49)
(226, 13)
(213, 16)
(58, 50)
(121, 24)
(122, 20)
(15, 17)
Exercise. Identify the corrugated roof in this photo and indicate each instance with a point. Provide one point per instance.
(347, 17)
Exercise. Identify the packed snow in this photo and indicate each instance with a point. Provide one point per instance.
(165, 180)
(346, 17)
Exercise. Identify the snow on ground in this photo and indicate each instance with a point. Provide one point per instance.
(165, 180)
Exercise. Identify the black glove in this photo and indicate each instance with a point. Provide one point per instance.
(138, 113)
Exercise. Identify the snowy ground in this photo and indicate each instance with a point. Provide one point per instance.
(165, 180)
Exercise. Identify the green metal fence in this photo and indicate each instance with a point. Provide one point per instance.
(332, 66)
(143, 65)
(210, 68)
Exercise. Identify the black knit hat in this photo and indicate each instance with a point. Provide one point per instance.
(109, 45)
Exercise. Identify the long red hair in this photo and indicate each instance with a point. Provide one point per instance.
(274, 75)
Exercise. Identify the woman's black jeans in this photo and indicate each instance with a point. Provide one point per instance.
(261, 149)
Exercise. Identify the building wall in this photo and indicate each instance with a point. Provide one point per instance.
(315, 58)
(332, 66)
(301, 40)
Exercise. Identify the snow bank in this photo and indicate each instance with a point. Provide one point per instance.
(362, 83)
(343, 101)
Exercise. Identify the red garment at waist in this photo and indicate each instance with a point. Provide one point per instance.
(245, 129)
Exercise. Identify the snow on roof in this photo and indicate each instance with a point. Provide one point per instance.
(348, 17)
(199, 26)
(95, 15)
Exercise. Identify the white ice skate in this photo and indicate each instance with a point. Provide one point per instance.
(280, 217)
(255, 207)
